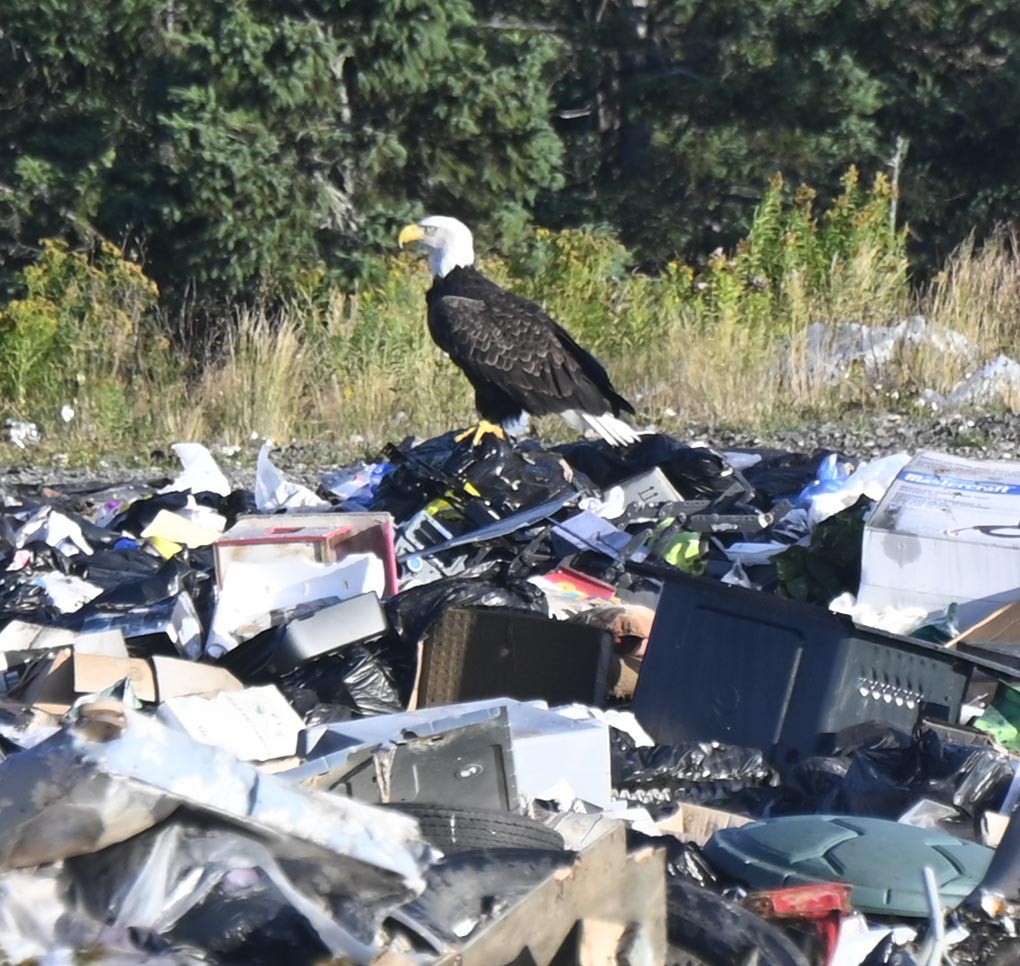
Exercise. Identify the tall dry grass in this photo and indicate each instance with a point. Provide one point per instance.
(724, 343)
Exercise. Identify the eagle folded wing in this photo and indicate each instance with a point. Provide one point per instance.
(516, 346)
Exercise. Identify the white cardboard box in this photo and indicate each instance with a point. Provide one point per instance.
(947, 530)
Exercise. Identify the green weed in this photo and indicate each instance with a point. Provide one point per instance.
(721, 342)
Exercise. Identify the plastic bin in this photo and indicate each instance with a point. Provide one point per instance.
(488, 652)
(752, 669)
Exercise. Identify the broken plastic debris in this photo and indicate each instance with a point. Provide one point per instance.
(170, 531)
(547, 747)
(273, 491)
(21, 433)
(129, 772)
(251, 591)
(996, 382)
(201, 474)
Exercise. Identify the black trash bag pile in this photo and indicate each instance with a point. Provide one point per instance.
(485, 482)
(703, 773)
(503, 505)
(875, 770)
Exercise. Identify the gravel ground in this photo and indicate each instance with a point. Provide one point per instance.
(983, 436)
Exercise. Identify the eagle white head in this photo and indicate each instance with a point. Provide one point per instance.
(449, 243)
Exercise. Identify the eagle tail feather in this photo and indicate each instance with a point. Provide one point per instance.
(611, 428)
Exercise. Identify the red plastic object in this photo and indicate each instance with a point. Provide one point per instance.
(824, 905)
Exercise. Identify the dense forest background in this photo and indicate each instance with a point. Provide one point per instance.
(232, 147)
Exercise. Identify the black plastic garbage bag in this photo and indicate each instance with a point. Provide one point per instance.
(783, 475)
(412, 612)
(137, 516)
(358, 677)
(142, 590)
(814, 784)
(484, 482)
(236, 504)
(699, 772)
(111, 568)
(22, 598)
(696, 471)
(879, 771)
(897, 769)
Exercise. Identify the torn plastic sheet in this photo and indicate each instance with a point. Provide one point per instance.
(172, 618)
(753, 554)
(66, 592)
(156, 878)
(55, 529)
(831, 350)
(838, 493)
(273, 491)
(355, 486)
(113, 772)
(995, 382)
(38, 918)
(201, 474)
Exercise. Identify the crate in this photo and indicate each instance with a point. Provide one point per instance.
(749, 668)
(319, 537)
(472, 653)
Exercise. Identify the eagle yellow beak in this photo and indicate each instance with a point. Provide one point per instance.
(411, 233)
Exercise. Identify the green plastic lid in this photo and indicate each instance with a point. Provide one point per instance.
(881, 859)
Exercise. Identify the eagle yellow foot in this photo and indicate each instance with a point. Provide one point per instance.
(479, 431)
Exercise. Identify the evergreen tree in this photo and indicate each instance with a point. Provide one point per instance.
(238, 144)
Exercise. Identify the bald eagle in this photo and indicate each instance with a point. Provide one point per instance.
(519, 360)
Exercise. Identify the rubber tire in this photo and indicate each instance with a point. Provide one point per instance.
(707, 930)
(454, 830)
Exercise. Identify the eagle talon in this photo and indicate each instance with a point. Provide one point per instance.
(480, 431)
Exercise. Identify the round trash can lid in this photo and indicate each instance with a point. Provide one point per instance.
(883, 860)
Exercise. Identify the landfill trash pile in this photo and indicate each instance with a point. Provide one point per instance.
(513, 703)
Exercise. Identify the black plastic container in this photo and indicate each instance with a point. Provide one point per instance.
(490, 652)
(749, 668)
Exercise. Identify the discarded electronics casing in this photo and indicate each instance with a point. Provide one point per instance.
(946, 531)
(548, 748)
(470, 766)
(752, 669)
(352, 621)
(472, 653)
(649, 487)
(321, 537)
